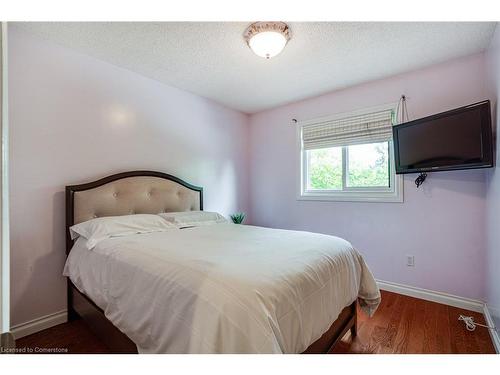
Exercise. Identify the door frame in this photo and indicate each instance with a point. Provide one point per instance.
(4, 192)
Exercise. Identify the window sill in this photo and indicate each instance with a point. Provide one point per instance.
(373, 197)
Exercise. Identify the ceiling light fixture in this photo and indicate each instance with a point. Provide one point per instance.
(267, 39)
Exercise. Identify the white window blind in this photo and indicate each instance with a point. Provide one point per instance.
(366, 128)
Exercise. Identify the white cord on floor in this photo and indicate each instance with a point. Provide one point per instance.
(470, 324)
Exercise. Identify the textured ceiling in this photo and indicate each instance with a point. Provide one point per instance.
(212, 60)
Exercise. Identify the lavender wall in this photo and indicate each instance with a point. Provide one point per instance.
(441, 224)
(72, 119)
(493, 194)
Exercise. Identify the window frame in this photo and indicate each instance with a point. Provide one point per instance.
(394, 193)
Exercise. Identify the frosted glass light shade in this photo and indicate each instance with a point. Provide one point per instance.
(267, 39)
(267, 44)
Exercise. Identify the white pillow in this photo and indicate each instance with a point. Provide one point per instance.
(193, 218)
(99, 229)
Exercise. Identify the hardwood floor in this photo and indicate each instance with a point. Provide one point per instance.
(73, 336)
(409, 325)
(401, 325)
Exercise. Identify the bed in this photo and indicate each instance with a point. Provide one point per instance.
(225, 288)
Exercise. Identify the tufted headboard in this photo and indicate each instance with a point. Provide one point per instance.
(137, 192)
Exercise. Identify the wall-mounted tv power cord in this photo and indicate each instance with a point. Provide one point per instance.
(420, 179)
(401, 117)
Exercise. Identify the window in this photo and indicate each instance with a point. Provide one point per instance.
(349, 158)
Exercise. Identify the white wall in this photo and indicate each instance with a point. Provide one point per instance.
(492, 257)
(442, 224)
(75, 119)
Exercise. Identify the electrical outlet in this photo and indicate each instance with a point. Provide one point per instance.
(410, 261)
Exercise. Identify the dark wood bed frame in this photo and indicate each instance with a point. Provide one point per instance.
(81, 306)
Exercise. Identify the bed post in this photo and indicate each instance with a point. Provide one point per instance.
(72, 314)
(354, 328)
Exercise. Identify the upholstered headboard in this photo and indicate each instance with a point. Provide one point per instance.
(137, 192)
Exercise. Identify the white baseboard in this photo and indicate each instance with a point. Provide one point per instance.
(495, 337)
(430, 295)
(39, 324)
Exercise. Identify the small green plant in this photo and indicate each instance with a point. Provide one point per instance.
(238, 217)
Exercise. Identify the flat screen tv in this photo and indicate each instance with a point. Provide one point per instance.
(456, 139)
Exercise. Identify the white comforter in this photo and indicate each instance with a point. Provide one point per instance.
(223, 288)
